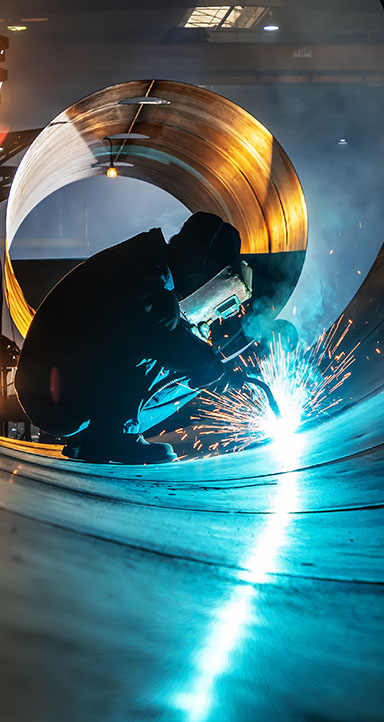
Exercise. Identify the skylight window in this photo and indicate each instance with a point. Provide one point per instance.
(208, 17)
(244, 17)
(224, 16)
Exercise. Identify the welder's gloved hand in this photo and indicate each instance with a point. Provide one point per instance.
(229, 380)
(206, 374)
(217, 378)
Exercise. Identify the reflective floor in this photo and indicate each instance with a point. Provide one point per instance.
(247, 588)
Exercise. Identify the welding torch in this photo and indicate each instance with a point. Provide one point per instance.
(253, 380)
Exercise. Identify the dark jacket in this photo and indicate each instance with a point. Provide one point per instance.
(108, 314)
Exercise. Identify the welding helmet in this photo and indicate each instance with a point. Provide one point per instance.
(203, 247)
(221, 297)
(214, 281)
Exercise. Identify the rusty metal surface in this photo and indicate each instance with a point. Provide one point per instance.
(206, 151)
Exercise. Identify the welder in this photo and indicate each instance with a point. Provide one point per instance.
(111, 352)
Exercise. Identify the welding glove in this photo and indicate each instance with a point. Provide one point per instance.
(229, 380)
(217, 378)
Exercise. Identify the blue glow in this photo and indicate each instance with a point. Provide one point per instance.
(226, 632)
(303, 383)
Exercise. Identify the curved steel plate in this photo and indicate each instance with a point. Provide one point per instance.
(203, 149)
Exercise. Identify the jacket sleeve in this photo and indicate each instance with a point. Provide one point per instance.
(177, 350)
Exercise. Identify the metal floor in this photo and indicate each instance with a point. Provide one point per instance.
(248, 587)
(231, 589)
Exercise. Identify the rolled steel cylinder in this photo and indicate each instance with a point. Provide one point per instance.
(205, 150)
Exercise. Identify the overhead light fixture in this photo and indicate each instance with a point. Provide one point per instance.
(270, 25)
(116, 165)
(16, 28)
(111, 171)
(144, 100)
(129, 136)
(342, 141)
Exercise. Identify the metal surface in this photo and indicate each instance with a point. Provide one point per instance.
(232, 589)
(206, 151)
(220, 590)
(366, 311)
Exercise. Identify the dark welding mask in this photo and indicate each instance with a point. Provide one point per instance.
(221, 297)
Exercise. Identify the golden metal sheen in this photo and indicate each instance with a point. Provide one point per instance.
(203, 149)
